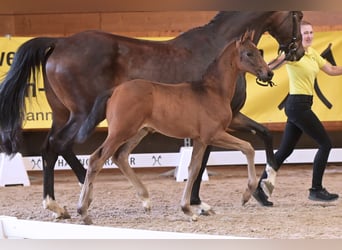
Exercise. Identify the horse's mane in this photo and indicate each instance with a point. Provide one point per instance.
(220, 15)
(217, 18)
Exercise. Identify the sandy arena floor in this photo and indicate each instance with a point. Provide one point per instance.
(293, 216)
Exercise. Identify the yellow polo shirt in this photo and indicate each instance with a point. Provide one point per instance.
(302, 73)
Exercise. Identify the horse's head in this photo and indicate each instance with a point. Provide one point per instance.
(250, 59)
(285, 28)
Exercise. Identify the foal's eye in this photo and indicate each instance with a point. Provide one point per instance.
(249, 54)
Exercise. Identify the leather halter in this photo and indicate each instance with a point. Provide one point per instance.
(289, 49)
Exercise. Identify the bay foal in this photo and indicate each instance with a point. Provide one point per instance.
(197, 110)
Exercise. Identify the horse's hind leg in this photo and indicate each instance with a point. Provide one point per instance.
(121, 160)
(194, 169)
(49, 157)
(59, 143)
(75, 164)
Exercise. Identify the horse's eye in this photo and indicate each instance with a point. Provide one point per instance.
(249, 54)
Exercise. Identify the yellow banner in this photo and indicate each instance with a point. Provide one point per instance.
(38, 112)
(262, 102)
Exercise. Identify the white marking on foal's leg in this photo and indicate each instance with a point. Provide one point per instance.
(58, 212)
(203, 209)
(146, 205)
(268, 184)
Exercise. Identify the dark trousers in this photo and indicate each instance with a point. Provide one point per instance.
(301, 119)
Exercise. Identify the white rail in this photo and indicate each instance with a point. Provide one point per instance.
(13, 228)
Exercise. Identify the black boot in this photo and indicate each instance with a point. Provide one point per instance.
(261, 197)
(321, 194)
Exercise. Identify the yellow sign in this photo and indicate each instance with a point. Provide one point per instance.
(262, 102)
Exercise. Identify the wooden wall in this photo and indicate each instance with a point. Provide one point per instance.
(136, 24)
(142, 24)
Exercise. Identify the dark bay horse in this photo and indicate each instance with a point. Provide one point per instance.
(79, 69)
(198, 110)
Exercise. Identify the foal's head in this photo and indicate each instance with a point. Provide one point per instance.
(249, 58)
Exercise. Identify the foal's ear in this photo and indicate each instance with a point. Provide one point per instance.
(248, 35)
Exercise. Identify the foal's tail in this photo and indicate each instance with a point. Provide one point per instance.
(96, 115)
(25, 67)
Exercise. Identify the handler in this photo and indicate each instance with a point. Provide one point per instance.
(301, 119)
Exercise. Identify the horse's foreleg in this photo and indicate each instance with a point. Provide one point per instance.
(225, 140)
(121, 160)
(194, 169)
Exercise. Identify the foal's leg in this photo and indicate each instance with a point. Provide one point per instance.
(121, 160)
(243, 123)
(194, 169)
(225, 140)
(96, 162)
(204, 208)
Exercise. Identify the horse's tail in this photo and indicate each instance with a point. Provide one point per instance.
(96, 115)
(27, 61)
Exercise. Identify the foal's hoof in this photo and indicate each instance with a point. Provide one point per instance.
(87, 220)
(147, 205)
(267, 187)
(64, 215)
(194, 217)
(204, 209)
(246, 196)
(207, 212)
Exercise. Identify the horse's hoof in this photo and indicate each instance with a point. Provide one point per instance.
(267, 187)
